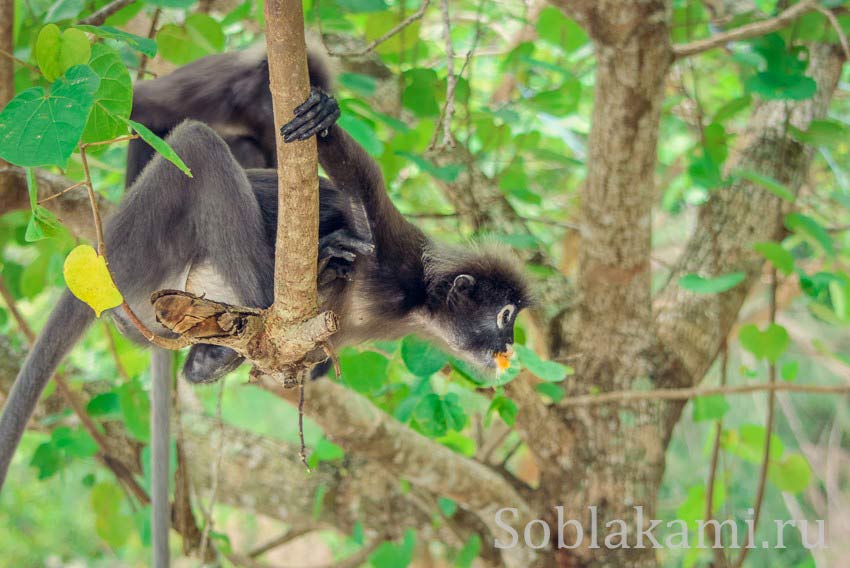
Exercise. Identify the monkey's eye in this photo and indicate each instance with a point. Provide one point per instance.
(503, 320)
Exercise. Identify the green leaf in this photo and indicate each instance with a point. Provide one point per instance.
(110, 523)
(42, 129)
(113, 99)
(391, 555)
(731, 108)
(505, 407)
(437, 415)
(325, 451)
(199, 36)
(550, 391)
(789, 370)
(135, 410)
(379, 24)
(106, 404)
(748, 443)
(808, 227)
(171, 3)
(447, 506)
(549, 371)
(792, 474)
(712, 407)
(362, 132)
(822, 132)
(421, 357)
(56, 52)
(47, 459)
(141, 44)
(777, 86)
(160, 145)
(555, 28)
(360, 6)
(768, 183)
(43, 224)
(768, 344)
(777, 255)
(363, 85)
(447, 173)
(63, 10)
(364, 372)
(470, 551)
(558, 102)
(700, 285)
(419, 92)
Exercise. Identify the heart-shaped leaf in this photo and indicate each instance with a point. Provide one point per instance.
(56, 51)
(89, 280)
(113, 99)
(42, 129)
(768, 344)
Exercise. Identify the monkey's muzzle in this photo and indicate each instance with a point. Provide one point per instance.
(503, 358)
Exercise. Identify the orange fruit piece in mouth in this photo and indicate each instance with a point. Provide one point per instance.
(503, 360)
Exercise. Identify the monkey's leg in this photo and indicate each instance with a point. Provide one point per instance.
(170, 223)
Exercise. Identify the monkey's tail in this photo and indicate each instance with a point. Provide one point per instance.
(66, 325)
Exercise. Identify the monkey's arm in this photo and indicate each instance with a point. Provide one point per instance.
(352, 170)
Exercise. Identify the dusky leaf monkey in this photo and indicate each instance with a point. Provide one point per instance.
(214, 234)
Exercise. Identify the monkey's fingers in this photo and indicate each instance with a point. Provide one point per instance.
(315, 96)
(315, 127)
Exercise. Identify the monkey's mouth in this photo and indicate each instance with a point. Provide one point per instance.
(502, 359)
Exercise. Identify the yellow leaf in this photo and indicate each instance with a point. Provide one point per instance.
(88, 279)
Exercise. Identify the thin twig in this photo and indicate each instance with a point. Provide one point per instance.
(19, 61)
(451, 82)
(208, 513)
(688, 393)
(285, 538)
(719, 555)
(98, 223)
(100, 16)
(143, 62)
(842, 37)
(302, 452)
(61, 193)
(118, 468)
(748, 31)
(768, 433)
(375, 43)
(113, 349)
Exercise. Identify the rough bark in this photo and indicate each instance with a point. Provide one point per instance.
(73, 208)
(735, 218)
(298, 170)
(357, 425)
(278, 486)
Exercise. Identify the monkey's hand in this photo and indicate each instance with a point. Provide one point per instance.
(313, 117)
(337, 253)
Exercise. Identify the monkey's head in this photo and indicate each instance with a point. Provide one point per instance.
(474, 297)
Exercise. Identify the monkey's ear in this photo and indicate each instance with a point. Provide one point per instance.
(462, 285)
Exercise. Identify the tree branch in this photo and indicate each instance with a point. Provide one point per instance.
(100, 16)
(350, 420)
(693, 326)
(72, 208)
(748, 31)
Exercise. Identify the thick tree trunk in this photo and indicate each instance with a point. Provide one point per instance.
(615, 455)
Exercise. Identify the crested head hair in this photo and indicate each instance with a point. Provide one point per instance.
(486, 261)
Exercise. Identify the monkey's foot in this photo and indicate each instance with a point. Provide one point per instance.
(337, 253)
(318, 113)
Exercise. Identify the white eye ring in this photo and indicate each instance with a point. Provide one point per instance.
(505, 315)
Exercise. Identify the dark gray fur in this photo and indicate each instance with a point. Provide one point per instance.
(383, 285)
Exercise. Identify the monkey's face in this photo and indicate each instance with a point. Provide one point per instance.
(481, 314)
